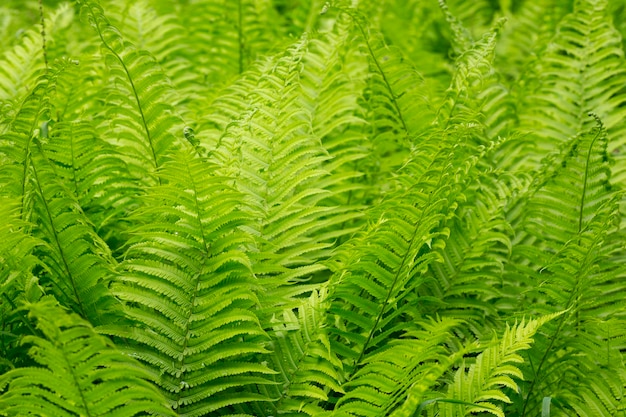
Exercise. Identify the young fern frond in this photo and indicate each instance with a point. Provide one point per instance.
(78, 372)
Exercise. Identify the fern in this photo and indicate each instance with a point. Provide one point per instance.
(185, 257)
(311, 208)
(482, 384)
(79, 373)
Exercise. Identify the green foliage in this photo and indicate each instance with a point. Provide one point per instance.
(290, 208)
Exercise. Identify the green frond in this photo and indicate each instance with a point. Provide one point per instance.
(398, 377)
(189, 290)
(495, 369)
(379, 274)
(95, 173)
(263, 208)
(555, 102)
(583, 161)
(308, 370)
(475, 94)
(15, 146)
(530, 26)
(20, 67)
(78, 264)
(469, 277)
(18, 283)
(226, 37)
(572, 267)
(79, 373)
(476, 15)
(143, 120)
(393, 101)
(278, 164)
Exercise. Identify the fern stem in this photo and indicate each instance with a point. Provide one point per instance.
(584, 193)
(43, 34)
(240, 34)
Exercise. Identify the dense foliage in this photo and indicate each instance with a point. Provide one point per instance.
(299, 207)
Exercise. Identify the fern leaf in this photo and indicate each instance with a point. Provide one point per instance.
(573, 263)
(586, 44)
(79, 373)
(494, 370)
(18, 282)
(188, 289)
(78, 262)
(408, 367)
(146, 124)
(309, 371)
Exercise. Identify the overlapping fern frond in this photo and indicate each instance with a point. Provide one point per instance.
(141, 118)
(581, 70)
(188, 288)
(308, 208)
(78, 372)
(573, 268)
(483, 383)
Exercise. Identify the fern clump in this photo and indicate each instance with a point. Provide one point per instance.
(288, 208)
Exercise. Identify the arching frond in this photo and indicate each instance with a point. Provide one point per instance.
(189, 290)
(404, 373)
(79, 373)
(483, 383)
(78, 263)
(144, 122)
(582, 70)
(308, 370)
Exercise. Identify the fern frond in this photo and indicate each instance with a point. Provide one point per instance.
(408, 368)
(583, 162)
(226, 37)
(572, 265)
(308, 369)
(165, 36)
(96, 175)
(475, 93)
(395, 106)
(79, 373)
(470, 277)
(586, 44)
(494, 370)
(144, 121)
(20, 67)
(18, 283)
(376, 281)
(79, 264)
(277, 162)
(189, 290)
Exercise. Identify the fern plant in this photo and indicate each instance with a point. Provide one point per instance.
(344, 208)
